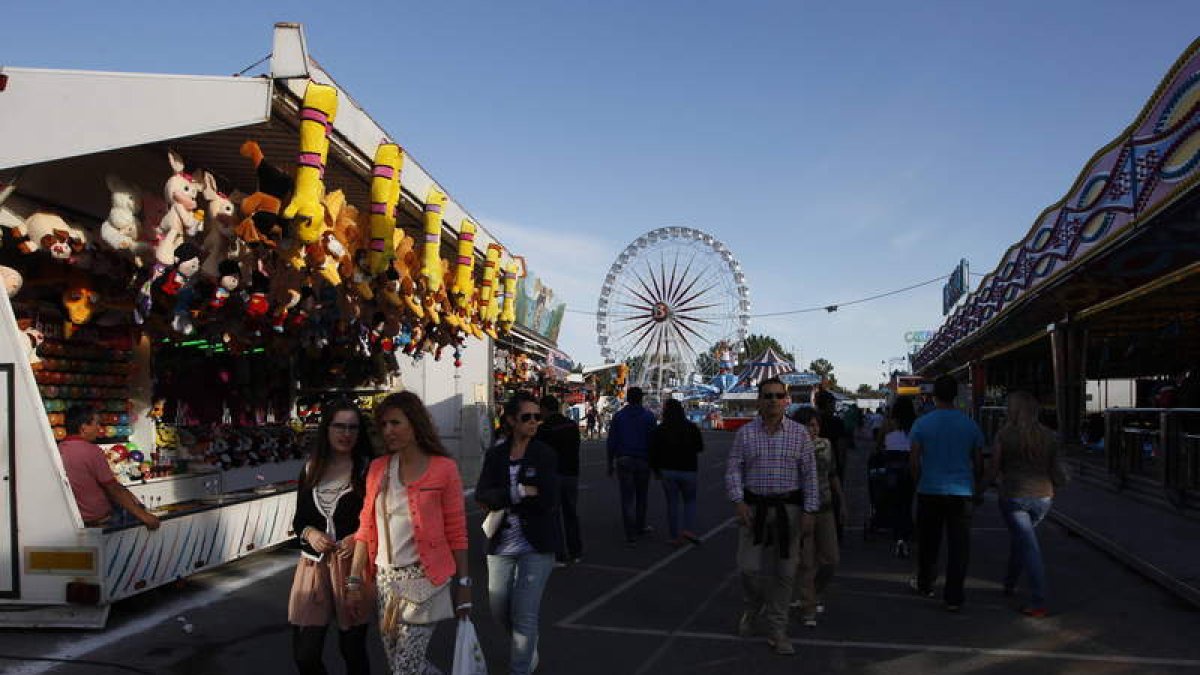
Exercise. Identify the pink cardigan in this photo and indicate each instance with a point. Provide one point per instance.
(437, 509)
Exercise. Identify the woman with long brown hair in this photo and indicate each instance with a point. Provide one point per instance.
(1025, 455)
(328, 501)
(412, 535)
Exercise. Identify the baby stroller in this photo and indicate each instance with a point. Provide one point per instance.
(889, 484)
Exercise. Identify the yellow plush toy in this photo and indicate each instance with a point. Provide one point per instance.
(316, 123)
(509, 315)
(464, 268)
(431, 262)
(487, 289)
(385, 193)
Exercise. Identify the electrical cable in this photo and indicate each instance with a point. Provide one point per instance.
(831, 307)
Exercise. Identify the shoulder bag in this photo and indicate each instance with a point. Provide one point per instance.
(410, 596)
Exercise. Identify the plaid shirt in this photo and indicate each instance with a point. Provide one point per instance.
(772, 464)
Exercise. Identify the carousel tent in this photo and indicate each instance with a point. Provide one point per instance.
(769, 364)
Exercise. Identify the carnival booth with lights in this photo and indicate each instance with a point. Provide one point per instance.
(203, 260)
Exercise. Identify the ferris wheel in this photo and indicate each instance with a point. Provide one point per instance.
(671, 297)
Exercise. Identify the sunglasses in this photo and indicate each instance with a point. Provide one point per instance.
(530, 417)
(769, 395)
(344, 428)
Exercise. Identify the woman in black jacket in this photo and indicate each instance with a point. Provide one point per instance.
(520, 478)
(328, 502)
(674, 444)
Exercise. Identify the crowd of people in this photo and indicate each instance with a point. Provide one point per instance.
(386, 535)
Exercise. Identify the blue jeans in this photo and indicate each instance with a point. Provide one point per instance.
(515, 585)
(634, 476)
(679, 485)
(1022, 515)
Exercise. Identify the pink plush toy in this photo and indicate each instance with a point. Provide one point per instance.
(181, 221)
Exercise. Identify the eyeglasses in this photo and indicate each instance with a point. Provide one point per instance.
(530, 417)
(766, 396)
(344, 428)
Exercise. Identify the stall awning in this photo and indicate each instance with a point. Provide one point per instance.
(54, 114)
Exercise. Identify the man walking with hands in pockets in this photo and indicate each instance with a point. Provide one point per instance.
(771, 478)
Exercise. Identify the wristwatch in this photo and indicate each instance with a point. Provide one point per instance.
(464, 581)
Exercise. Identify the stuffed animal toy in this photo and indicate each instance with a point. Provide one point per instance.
(35, 340)
(257, 304)
(121, 230)
(385, 197)
(229, 276)
(48, 232)
(174, 287)
(404, 263)
(220, 242)
(508, 315)
(431, 261)
(316, 123)
(285, 294)
(182, 220)
(344, 237)
(487, 290)
(261, 222)
(80, 300)
(463, 288)
(13, 281)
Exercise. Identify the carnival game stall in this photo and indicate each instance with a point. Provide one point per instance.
(1103, 288)
(201, 274)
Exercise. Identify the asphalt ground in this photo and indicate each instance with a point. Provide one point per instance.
(657, 609)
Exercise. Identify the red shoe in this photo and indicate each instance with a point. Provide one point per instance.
(1035, 612)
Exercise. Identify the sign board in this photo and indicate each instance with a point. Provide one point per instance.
(536, 308)
(955, 288)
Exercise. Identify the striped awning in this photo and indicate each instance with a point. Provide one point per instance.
(769, 364)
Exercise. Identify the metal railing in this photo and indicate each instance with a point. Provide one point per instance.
(1162, 444)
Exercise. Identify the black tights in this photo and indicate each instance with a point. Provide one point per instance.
(308, 642)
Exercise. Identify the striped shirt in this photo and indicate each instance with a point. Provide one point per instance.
(772, 464)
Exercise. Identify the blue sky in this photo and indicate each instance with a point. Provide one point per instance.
(839, 151)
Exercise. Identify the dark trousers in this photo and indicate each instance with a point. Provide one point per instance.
(309, 641)
(634, 476)
(935, 514)
(568, 501)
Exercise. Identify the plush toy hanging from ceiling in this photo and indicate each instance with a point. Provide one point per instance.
(122, 229)
(220, 241)
(80, 300)
(385, 198)
(325, 255)
(487, 309)
(305, 210)
(346, 230)
(464, 267)
(174, 290)
(508, 316)
(182, 220)
(261, 224)
(431, 262)
(48, 232)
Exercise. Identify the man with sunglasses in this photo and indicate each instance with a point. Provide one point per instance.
(771, 478)
(629, 453)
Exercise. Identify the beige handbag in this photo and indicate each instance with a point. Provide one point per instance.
(415, 599)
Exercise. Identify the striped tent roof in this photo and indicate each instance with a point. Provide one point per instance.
(769, 364)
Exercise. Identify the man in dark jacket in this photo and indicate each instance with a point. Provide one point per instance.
(628, 453)
(562, 433)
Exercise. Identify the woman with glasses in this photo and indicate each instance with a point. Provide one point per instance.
(328, 502)
(519, 476)
(412, 535)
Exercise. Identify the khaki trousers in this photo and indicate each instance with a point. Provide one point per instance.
(767, 579)
(818, 559)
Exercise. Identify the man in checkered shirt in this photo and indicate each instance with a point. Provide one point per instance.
(771, 479)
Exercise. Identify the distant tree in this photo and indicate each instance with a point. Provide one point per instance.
(756, 345)
(824, 369)
(865, 390)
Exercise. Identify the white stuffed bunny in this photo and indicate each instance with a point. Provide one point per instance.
(180, 223)
(220, 240)
(120, 231)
